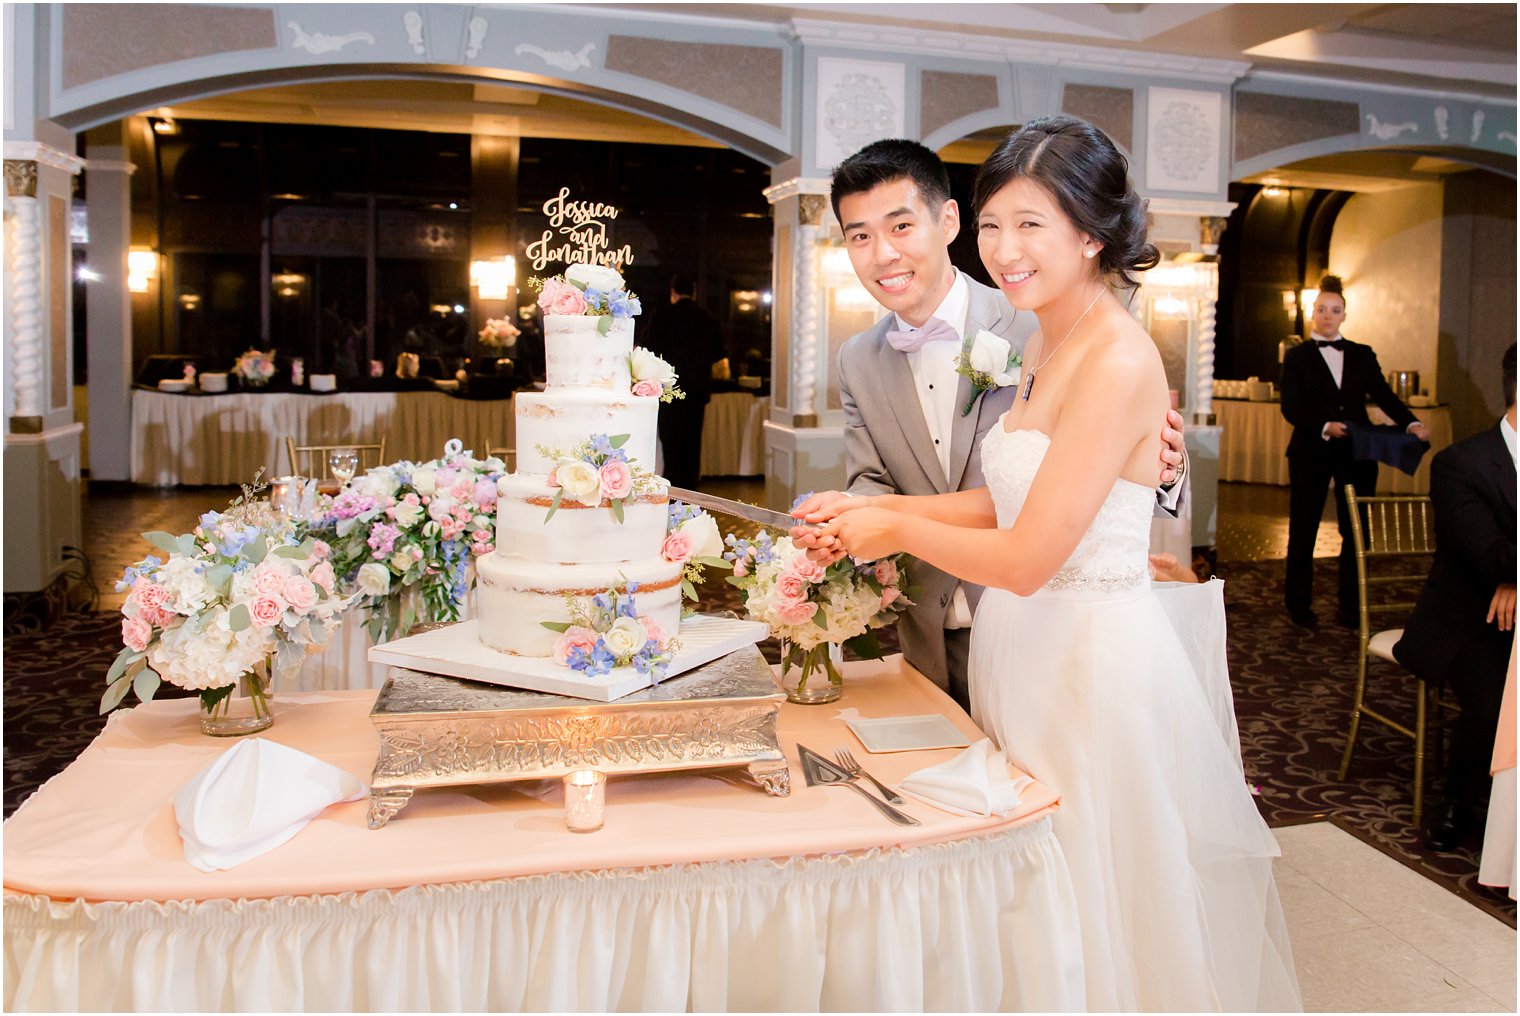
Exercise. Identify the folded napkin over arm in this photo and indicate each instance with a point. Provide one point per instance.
(974, 782)
(252, 798)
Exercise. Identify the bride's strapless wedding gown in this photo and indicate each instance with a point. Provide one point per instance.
(1117, 695)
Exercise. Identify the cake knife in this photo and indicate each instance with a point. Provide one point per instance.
(738, 509)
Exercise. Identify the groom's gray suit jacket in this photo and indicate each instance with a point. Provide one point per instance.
(888, 450)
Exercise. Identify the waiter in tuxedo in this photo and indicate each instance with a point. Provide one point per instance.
(687, 338)
(1464, 622)
(1326, 383)
(912, 424)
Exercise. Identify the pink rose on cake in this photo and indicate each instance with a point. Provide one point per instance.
(617, 479)
(577, 637)
(677, 547)
(652, 375)
(647, 389)
(559, 297)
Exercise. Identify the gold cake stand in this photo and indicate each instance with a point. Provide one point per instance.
(440, 731)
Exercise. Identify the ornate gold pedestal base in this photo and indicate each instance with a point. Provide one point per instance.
(442, 731)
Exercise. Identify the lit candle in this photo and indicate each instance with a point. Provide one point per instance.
(585, 800)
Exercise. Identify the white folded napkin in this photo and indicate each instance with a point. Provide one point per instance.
(974, 783)
(254, 797)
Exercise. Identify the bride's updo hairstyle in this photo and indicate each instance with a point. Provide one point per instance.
(1089, 179)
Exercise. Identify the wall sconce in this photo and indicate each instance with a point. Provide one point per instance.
(288, 284)
(492, 278)
(164, 125)
(1272, 191)
(1307, 298)
(745, 300)
(142, 269)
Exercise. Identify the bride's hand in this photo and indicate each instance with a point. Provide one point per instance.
(828, 505)
(866, 532)
(820, 546)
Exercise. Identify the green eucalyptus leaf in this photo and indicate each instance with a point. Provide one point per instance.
(735, 580)
(290, 552)
(257, 549)
(688, 590)
(114, 694)
(617, 509)
(713, 562)
(820, 620)
(618, 440)
(554, 505)
(220, 577)
(238, 618)
(166, 542)
(145, 684)
(119, 665)
(186, 545)
(604, 324)
(556, 626)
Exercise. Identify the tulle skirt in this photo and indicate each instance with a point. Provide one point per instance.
(1122, 703)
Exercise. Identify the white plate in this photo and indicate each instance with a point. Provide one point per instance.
(456, 650)
(907, 733)
(171, 385)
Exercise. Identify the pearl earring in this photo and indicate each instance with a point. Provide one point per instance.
(1089, 253)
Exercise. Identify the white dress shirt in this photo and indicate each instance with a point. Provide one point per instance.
(1508, 430)
(1335, 359)
(937, 383)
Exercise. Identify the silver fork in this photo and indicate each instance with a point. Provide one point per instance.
(848, 764)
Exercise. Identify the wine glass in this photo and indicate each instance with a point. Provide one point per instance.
(343, 462)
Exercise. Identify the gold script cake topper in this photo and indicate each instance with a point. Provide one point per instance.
(577, 234)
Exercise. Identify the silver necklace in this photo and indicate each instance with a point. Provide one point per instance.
(1029, 378)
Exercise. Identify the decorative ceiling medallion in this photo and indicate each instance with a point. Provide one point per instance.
(858, 102)
(1182, 140)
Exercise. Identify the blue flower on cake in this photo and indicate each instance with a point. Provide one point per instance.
(694, 542)
(611, 633)
(597, 470)
(587, 290)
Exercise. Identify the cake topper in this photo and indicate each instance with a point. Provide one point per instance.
(577, 234)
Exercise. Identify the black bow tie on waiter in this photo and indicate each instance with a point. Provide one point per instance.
(1339, 344)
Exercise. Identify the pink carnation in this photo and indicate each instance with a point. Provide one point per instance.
(791, 588)
(886, 572)
(805, 568)
(559, 297)
(797, 613)
(320, 550)
(481, 536)
(653, 630)
(677, 547)
(617, 479)
(574, 638)
(300, 593)
(135, 633)
(157, 616)
(485, 493)
(268, 580)
(150, 594)
(647, 387)
(266, 610)
(322, 574)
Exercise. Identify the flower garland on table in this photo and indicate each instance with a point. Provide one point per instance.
(610, 633)
(587, 290)
(694, 542)
(416, 525)
(597, 470)
(241, 588)
(811, 606)
(255, 367)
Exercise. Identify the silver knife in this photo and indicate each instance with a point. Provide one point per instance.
(819, 771)
(738, 509)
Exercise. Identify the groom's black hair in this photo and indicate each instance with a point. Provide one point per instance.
(889, 160)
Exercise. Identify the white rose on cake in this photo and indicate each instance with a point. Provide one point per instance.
(580, 481)
(597, 277)
(706, 541)
(647, 366)
(626, 637)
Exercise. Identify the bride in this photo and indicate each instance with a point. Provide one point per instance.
(1077, 666)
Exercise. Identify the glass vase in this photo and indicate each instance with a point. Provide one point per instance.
(238, 709)
(811, 677)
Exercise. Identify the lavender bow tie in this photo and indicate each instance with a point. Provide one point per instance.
(934, 330)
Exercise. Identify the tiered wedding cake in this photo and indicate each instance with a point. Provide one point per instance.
(583, 515)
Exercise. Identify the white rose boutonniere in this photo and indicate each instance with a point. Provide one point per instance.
(987, 361)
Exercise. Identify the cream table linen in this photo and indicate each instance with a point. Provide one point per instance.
(733, 435)
(1254, 444)
(699, 893)
(225, 439)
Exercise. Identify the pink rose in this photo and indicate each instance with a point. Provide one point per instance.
(320, 550)
(653, 630)
(886, 572)
(791, 588)
(158, 617)
(647, 388)
(573, 638)
(797, 613)
(805, 568)
(889, 595)
(322, 574)
(559, 297)
(150, 594)
(740, 571)
(677, 547)
(412, 499)
(135, 633)
(266, 610)
(482, 549)
(268, 580)
(300, 593)
(617, 479)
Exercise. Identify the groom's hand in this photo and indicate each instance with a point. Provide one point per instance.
(820, 546)
(866, 534)
(1171, 452)
(817, 507)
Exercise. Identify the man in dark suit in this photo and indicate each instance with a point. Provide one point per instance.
(687, 337)
(1463, 625)
(1325, 386)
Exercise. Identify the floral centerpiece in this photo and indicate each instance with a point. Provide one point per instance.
(815, 609)
(652, 375)
(499, 333)
(254, 368)
(241, 598)
(610, 633)
(597, 470)
(693, 541)
(412, 526)
(589, 290)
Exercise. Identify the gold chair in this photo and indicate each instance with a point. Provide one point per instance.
(1388, 530)
(506, 454)
(311, 460)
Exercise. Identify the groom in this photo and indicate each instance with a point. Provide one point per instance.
(907, 428)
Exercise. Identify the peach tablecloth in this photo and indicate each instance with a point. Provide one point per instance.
(700, 892)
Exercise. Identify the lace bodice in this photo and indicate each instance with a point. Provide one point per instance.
(1111, 555)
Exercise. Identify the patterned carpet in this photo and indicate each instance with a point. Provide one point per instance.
(1292, 694)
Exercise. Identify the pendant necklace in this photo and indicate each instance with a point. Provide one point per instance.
(1029, 378)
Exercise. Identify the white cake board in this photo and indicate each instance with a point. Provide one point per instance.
(456, 651)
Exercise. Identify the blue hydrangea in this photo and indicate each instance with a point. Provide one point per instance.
(598, 660)
(625, 304)
(681, 512)
(800, 498)
(649, 663)
(601, 446)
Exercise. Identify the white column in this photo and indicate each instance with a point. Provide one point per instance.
(23, 272)
(108, 302)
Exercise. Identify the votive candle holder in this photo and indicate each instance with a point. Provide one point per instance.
(585, 800)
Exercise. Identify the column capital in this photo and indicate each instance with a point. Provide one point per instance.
(110, 166)
(20, 178)
(795, 187)
(40, 154)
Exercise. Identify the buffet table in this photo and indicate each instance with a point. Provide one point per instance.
(699, 893)
(1254, 443)
(225, 439)
(733, 435)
